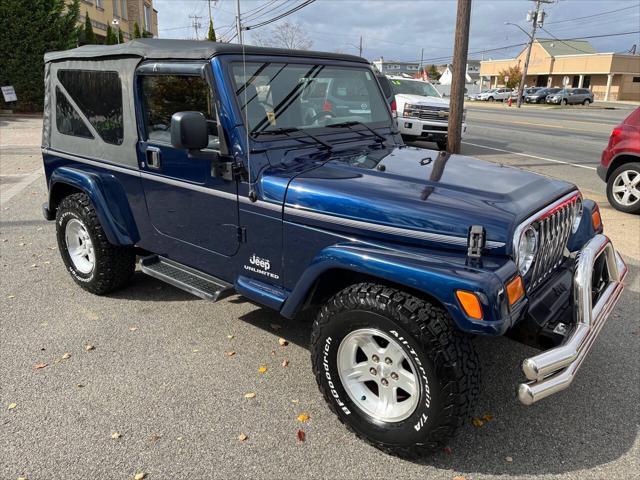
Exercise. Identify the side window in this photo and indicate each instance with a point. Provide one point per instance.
(68, 121)
(164, 95)
(99, 96)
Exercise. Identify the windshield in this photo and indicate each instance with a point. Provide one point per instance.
(414, 87)
(277, 96)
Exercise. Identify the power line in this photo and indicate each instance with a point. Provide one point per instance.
(562, 41)
(594, 15)
(282, 15)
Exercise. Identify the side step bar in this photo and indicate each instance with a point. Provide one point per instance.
(186, 278)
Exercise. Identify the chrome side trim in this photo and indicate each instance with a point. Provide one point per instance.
(554, 369)
(169, 181)
(95, 163)
(376, 227)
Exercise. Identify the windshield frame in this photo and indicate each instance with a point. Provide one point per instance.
(229, 60)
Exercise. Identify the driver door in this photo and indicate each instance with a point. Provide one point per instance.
(188, 206)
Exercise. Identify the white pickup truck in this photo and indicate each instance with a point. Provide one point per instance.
(422, 112)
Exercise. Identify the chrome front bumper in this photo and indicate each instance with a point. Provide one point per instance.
(554, 369)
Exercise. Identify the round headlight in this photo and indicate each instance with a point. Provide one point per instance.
(527, 248)
(578, 217)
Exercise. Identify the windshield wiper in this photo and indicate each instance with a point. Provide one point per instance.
(354, 123)
(287, 131)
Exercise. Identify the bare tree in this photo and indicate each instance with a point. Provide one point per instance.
(286, 35)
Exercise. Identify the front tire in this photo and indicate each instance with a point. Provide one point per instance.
(96, 265)
(564, 102)
(623, 188)
(393, 368)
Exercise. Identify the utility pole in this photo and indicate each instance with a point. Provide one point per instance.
(536, 20)
(210, 16)
(196, 24)
(421, 58)
(360, 49)
(238, 22)
(460, 48)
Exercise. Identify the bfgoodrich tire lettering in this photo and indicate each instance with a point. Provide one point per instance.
(113, 265)
(448, 368)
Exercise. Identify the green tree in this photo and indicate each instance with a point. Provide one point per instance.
(120, 36)
(29, 30)
(136, 30)
(111, 38)
(514, 73)
(433, 72)
(212, 33)
(88, 37)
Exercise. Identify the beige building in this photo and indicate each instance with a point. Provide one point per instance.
(126, 12)
(572, 63)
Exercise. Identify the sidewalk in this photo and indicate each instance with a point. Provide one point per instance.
(597, 105)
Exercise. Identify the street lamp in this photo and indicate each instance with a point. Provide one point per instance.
(516, 25)
(116, 24)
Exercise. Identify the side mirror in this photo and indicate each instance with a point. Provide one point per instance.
(189, 130)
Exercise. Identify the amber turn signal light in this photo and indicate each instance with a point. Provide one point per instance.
(470, 304)
(596, 220)
(515, 290)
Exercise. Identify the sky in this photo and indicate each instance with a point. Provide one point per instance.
(400, 30)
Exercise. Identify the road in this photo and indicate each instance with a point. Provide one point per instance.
(160, 377)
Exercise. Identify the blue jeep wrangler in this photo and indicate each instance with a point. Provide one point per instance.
(217, 167)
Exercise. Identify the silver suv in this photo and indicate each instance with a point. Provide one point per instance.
(573, 96)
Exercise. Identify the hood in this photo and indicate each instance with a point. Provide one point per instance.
(421, 100)
(412, 195)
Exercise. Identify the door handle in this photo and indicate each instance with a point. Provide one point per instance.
(153, 157)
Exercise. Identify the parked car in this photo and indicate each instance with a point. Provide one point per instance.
(540, 96)
(496, 94)
(620, 165)
(422, 112)
(401, 253)
(525, 92)
(571, 96)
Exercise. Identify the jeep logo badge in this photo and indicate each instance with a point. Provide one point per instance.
(260, 262)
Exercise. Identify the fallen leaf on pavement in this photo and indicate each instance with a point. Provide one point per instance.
(139, 476)
(487, 417)
(303, 417)
(40, 365)
(195, 350)
(285, 363)
(275, 326)
(133, 329)
(476, 422)
(459, 477)
(11, 296)
(282, 342)
(301, 435)
(154, 437)
(242, 437)
(66, 356)
(12, 406)
(447, 450)
(249, 395)
(230, 354)
(295, 400)
(262, 369)
(23, 478)
(79, 385)
(229, 337)
(508, 459)
(116, 435)
(88, 348)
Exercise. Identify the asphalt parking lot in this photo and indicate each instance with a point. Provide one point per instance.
(145, 380)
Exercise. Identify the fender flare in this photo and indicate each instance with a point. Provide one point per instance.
(107, 196)
(436, 276)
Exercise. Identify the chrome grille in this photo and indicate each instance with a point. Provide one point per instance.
(553, 225)
(438, 114)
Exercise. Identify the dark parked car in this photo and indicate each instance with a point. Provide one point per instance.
(525, 92)
(620, 165)
(572, 96)
(540, 96)
(401, 254)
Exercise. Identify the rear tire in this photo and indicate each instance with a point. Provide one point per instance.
(491, 99)
(564, 102)
(96, 265)
(623, 188)
(424, 347)
(586, 102)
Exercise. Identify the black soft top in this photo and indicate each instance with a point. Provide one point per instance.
(154, 48)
